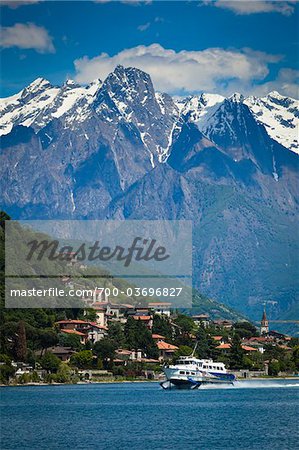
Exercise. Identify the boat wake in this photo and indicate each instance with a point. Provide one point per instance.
(255, 384)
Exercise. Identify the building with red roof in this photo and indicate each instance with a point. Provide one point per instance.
(225, 347)
(91, 331)
(166, 350)
(147, 320)
(158, 337)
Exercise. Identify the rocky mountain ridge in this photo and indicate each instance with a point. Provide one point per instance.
(117, 149)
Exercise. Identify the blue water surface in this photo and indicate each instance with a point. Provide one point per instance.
(141, 416)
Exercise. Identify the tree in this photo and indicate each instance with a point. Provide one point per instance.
(236, 353)
(6, 369)
(34, 377)
(274, 368)
(116, 333)
(130, 331)
(50, 362)
(162, 326)
(294, 342)
(70, 340)
(105, 350)
(295, 357)
(183, 350)
(202, 348)
(64, 373)
(184, 327)
(24, 378)
(247, 362)
(206, 345)
(276, 353)
(47, 338)
(83, 359)
(245, 329)
(90, 315)
(20, 342)
(186, 323)
(138, 336)
(88, 345)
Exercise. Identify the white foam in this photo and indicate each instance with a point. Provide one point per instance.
(254, 384)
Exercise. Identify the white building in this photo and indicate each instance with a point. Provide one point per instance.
(162, 308)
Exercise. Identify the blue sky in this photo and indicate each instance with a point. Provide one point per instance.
(187, 47)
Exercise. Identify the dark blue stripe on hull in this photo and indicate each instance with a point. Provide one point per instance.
(224, 376)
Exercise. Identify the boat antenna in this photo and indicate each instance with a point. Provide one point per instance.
(195, 347)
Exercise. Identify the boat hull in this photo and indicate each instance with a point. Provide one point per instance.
(196, 379)
(186, 384)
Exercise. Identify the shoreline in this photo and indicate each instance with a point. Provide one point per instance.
(292, 377)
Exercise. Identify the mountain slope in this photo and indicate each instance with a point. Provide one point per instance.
(40, 102)
(278, 114)
(237, 235)
(120, 150)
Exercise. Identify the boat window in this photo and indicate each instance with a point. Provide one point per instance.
(210, 367)
(205, 367)
(182, 372)
(192, 373)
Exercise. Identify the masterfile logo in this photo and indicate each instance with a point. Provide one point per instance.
(140, 250)
(154, 257)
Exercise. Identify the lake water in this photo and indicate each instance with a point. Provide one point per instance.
(139, 416)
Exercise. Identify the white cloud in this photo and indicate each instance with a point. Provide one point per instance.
(144, 27)
(27, 36)
(157, 20)
(245, 7)
(212, 69)
(286, 83)
(13, 4)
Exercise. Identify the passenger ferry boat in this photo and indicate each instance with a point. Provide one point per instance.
(190, 372)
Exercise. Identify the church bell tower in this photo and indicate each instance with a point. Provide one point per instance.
(264, 323)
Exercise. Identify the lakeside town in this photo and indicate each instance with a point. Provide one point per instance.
(118, 339)
(117, 342)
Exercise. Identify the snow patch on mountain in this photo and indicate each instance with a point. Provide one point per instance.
(279, 115)
(127, 95)
(199, 108)
(40, 102)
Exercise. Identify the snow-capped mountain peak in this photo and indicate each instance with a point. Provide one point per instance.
(40, 102)
(275, 94)
(279, 114)
(127, 94)
(236, 97)
(35, 88)
(93, 87)
(38, 85)
(199, 108)
(71, 84)
(209, 100)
